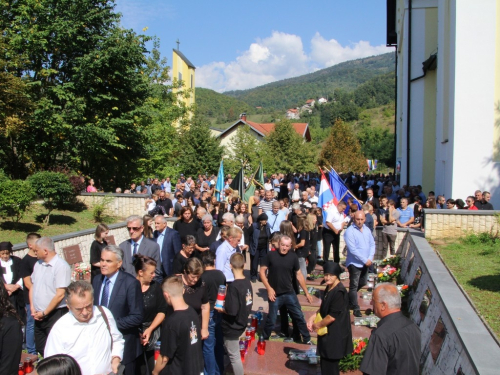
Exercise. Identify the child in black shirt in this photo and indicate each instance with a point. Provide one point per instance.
(237, 307)
(181, 346)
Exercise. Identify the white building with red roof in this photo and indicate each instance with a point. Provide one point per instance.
(258, 130)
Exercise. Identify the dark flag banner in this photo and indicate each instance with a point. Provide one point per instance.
(238, 185)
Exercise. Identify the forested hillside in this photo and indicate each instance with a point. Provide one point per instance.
(221, 107)
(293, 92)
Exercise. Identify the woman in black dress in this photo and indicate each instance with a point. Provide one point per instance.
(186, 225)
(11, 277)
(101, 232)
(155, 309)
(205, 236)
(11, 335)
(337, 342)
(182, 256)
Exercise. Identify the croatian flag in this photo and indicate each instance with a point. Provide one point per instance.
(326, 198)
(340, 191)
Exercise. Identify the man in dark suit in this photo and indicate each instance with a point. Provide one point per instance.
(371, 199)
(169, 242)
(121, 294)
(139, 244)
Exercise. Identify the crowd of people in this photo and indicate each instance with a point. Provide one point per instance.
(159, 287)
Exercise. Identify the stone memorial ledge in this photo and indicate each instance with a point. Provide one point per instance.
(454, 338)
(457, 223)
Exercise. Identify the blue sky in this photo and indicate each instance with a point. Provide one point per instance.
(241, 44)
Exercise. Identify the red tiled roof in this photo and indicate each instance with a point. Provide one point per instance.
(300, 127)
(293, 110)
(310, 101)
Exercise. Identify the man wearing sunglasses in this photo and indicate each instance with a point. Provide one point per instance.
(138, 244)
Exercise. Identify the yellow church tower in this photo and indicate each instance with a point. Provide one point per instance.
(183, 70)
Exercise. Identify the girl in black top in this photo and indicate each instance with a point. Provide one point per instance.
(303, 242)
(182, 256)
(11, 335)
(148, 222)
(186, 225)
(334, 310)
(101, 232)
(155, 309)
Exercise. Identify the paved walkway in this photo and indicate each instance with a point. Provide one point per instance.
(276, 361)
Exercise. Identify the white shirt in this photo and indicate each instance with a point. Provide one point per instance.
(8, 275)
(88, 343)
(334, 217)
(46, 279)
(313, 199)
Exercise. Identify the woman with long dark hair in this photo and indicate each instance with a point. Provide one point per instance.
(101, 232)
(155, 309)
(186, 225)
(11, 335)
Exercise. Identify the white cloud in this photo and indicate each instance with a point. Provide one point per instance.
(330, 52)
(278, 57)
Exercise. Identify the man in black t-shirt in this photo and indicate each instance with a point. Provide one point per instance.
(282, 264)
(180, 350)
(166, 203)
(27, 265)
(213, 346)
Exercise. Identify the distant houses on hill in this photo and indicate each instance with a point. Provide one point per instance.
(294, 113)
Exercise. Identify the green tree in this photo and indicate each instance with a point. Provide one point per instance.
(246, 150)
(201, 152)
(377, 143)
(89, 80)
(160, 111)
(285, 151)
(341, 150)
(54, 188)
(15, 198)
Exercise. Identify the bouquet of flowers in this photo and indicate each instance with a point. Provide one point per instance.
(387, 274)
(353, 360)
(403, 289)
(393, 262)
(81, 271)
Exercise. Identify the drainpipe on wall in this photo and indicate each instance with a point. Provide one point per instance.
(408, 99)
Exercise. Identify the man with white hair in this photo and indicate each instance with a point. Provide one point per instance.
(51, 276)
(394, 347)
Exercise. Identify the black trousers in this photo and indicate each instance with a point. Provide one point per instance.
(329, 239)
(312, 258)
(285, 325)
(43, 327)
(255, 261)
(329, 366)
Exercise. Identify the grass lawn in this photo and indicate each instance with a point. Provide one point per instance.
(61, 222)
(475, 262)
